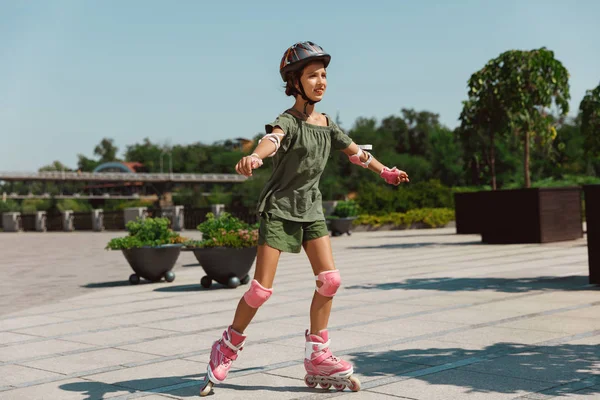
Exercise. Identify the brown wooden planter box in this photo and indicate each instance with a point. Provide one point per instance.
(592, 217)
(535, 215)
(469, 210)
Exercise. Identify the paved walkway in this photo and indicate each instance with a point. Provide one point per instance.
(422, 314)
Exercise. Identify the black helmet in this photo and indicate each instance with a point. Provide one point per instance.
(300, 54)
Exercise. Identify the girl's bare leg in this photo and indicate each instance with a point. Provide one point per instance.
(266, 265)
(321, 259)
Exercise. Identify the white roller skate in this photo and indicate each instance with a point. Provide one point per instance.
(224, 351)
(323, 368)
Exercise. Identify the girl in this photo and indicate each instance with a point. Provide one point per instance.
(291, 216)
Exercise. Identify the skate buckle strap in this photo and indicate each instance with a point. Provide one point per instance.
(232, 346)
(320, 347)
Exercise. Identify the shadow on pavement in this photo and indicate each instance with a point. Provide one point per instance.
(507, 285)
(514, 367)
(98, 390)
(415, 245)
(124, 282)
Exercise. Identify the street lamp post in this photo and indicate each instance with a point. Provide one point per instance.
(170, 161)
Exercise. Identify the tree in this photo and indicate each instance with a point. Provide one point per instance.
(55, 166)
(482, 119)
(590, 121)
(106, 150)
(419, 126)
(514, 92)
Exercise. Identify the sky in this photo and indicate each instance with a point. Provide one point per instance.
(178, 72)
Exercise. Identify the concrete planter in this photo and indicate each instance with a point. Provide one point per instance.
(227, 266)
(340, 226)
(534, 215)
(470, 210)
(592, 218)
(152, 263)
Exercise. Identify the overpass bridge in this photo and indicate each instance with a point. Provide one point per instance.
(61, 176)
(100, 186)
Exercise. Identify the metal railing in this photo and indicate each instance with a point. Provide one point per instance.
(118, 177)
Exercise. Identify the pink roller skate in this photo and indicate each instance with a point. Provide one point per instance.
(323, 368)
(223, 352)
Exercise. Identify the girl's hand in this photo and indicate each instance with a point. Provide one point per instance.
(247, 164)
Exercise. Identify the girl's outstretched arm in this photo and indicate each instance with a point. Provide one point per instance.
(265, 148)
(357, 156)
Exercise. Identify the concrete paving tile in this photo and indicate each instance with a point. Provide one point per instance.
(72, 389)
(117, 336)
(38, 349)
(454, 384)
(366, 395)
(442, 300)
(405, 327)
(588, 312)
(555, 323)
(493, 335)
(11, 338)
(12, 324)
(389, 309)
(468, 316)
(517, 306)
(88, 361)
(17, 374)
(68, 327)
(539, 366)
(194, 323)
(174, 345)
(152, 376)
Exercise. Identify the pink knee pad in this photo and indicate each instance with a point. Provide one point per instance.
(257, 294)
(331, 282)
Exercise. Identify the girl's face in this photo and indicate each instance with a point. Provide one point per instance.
(314, 80)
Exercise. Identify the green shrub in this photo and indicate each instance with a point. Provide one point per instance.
(345, 209)
(225, 231)
(430, 217)
(148, 232)
(376, 199)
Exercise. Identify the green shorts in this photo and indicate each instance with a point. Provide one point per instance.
(288, 236)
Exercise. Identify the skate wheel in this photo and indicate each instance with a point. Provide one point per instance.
(325, 385)
(245, 280)
(310, 382)
(206, 389)
(355, 387)
(339, 388)
(134, 279)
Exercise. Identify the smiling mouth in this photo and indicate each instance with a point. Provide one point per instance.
(320, 91)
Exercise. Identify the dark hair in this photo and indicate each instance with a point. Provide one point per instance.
(293, 78)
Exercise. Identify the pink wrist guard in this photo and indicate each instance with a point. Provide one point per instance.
(390, 175)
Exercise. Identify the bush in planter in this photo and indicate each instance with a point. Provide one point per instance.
(226, 251)
(151, 249)
(340, 221)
